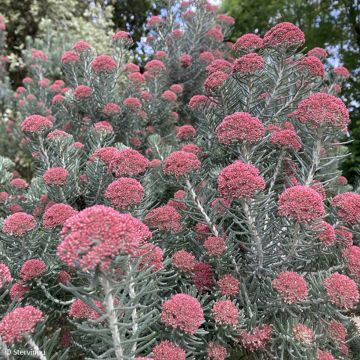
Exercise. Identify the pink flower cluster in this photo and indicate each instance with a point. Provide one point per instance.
(256, 339)
(69, 57)
(248, 64)
(203, 276)
(312, 65)
(82, 92)
(185, 132)
(124, 192)
(285, 136)
(128, 162)
(183, 260)
(284, 34)
(301, 203)
(319, 109)
(180, 163)
(56, 176)
(240, 126)
(18, 322)
(249, 43)
(216, 351)
(215, 80)
(182, 312)
(341, 291)
(303, 334)
(31, 269)
(36, 124)
(325, 233)
(240, 180)
(352, 259)
(19, 224)
(320, 53)
(56, 215)
(166, 350)
(81, 310)
(337, 331)
(103, 63)
(5, 275)
(155, 67)
(291, 286)
(164, 218)
(225, 312)
(97, 234)
(215, 246)
(348, 206)
(219, 65)
(229, 285)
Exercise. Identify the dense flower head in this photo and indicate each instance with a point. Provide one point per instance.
(248, 64)
(104, 127)
(39, 54)
(303, 334)
(55, 134)
(348, 206)
(155, 67)
(225, 312)
(18, 224)
(301, 203)
(342, 180)
(219, 65)
(229, 20)
(18, 322)
(151, 256)
(97, 234)
(154, 20)
(36, 124)
(352, 259)
(240, 126)
(256, 339)
(206, 56)
(185, 60)
(166, 350)
(216, 351)
(111, 108)
(18, 291)
(285, 136)
(182, 312)
(63, 277)
(103, 63)
(169, 95)
(320, 53)
(56, 176)
(312, 65)
(81, 45)
(344, 236)
(321, 108)
(124, 192)
(325, 233)
(56, 215)
(249, 42)
(215, 80)
(136, 78)
(216, 34)
(131, 68)
(82, 92)
(4, 196)
(324, 355)
(337, 331)
(239, 180)
(284, 34)
(105, 154)
(183, 260)
(180, 163)
(198, 101)
(214, 245)
(31, 269)
(229, 285)
(19, 183)
(164, 218)
(177, 88)
(128, 162)
(132, 103)
(291, 286)
(185, 132)
(81, 310)
(341, 291)
(342, 72)
(69, 57)
(5, 275)
(203, 276)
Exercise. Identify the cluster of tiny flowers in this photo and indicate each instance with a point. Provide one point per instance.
(103, 63)
(214, 246)
(183, 260)
(215, 34)
(337, 331)
(320, 108)
(342, 180)
(81, 310)
(57, 134)
(103, 126)
(182, 312)
(256, 339)
(18, 291)
(341, 291)
(19, 322)
(312, 65)
(215, 80)
(240, 126)
(285, 34)
(352, 259)
(56, 215)
(225, 312)
(164, 218)
(301, 203)
(132, 103)
(63, 277)
(19, 183)
(240, 180)
(248, 64)
(342, 72)
(180, 163)
(348, 206)
(82, 92)
(285, 136)
(36, 124)
(31, 269)
(303, 334)
(111, 108)
(128, 162)
(166, 350)
(69, 57)
(55, 176)
(229, 285)
(124, 192)
(5, 275)
(155, 67)
(151, 256)
(291, 286)
(344, 236)
(18, 224)
(203, 276)
(216, 351)
(198, 102)
(320, 53)
(185, 60)
(325, 233)
(185, 132)
(219, 65)
(249, 42)
(324, 355)
(97, 234)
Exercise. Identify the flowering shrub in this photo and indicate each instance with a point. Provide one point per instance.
(188, 208)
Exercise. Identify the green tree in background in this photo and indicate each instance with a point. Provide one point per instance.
(334, 25)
